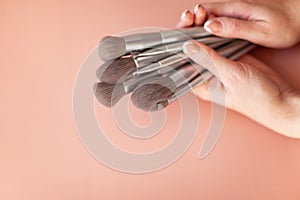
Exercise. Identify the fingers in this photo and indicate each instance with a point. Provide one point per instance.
(208, 58)
(186, 20)
(212, 90)
(254, 31)
(200, 15)
(236, 9)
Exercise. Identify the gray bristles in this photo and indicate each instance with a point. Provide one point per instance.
(118, 70)
(109, 94)
(148, 96)
(112, 47)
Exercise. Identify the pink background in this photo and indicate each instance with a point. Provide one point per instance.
(43, 44)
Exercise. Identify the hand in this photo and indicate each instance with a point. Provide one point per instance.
(249, 86)
(268, 23)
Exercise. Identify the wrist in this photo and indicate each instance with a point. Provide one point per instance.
(293, 7)
(288, 118)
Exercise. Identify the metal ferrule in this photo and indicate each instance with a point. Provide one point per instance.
(142, 41)
(171, 61)
(130, 84)
(142, 61)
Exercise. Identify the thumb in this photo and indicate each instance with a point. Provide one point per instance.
(253, 31)
(208, 58)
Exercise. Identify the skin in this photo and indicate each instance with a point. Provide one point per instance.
(250, 87)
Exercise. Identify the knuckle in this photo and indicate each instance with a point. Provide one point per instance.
(235, 26)
(239, 73)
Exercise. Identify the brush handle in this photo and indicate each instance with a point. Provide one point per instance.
(184, 74)
(141, 41)
(142, 61)
(181, 59)
(177, 46)
(205, 75)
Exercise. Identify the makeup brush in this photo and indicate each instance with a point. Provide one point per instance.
(109, 94)
(121, 68)
(112, 47)
(181, 58)
(145, 98)
(159, 90)
(150, 93)
(177, 46)
(104, 91)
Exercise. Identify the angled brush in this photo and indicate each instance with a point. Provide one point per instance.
(109, 94)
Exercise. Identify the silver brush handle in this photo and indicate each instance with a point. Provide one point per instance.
(147, 60)
(183, 75)
(206, 75)
(147, 40)
(171, 61)
(177, 46)
(181, 59)
(181, 34)
(186, 73)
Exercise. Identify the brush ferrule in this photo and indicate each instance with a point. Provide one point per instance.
(172, 62)
(142, 41)
(130, 84)
(142, 61)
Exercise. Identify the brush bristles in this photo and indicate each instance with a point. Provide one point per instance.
(108, 94)
(118, 70)
(147, 97)
(112, 47)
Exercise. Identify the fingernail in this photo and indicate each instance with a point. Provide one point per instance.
(191, 48)
(213, 26)
(184, 13)
(196, 8)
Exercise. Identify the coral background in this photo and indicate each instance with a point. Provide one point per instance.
(43, 44)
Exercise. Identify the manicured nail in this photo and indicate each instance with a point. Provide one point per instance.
(213, 26)
(184, 13)
(196, 8)
(191, 48)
